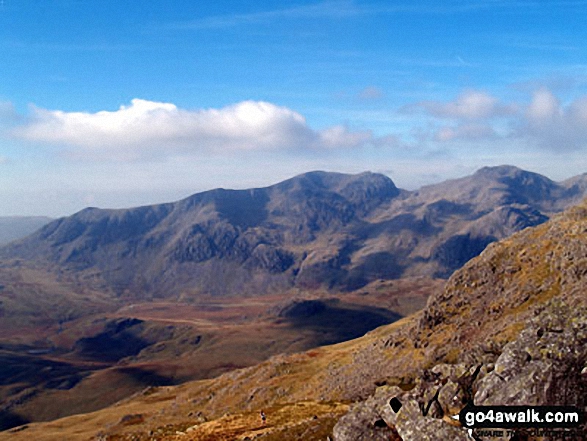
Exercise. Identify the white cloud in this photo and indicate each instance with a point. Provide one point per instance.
(544, 106)
(146, 129)
(327, 9)
(340, 136)
(469, 105)
(543, 122)
(553, 125)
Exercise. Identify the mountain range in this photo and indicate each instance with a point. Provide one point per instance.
(316, 230)
(96, 306)
(509, 328)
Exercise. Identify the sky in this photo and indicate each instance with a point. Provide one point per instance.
(123, 103)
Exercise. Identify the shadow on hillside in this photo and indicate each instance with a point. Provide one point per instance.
(34, 371)
(146, 377)
(29, 376)
(120, 339)
(8, 420)
(457, 251)
(381, 265)
(334, 323)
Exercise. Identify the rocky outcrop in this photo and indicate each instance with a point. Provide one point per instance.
(545, 366)
(365, 422)
(423, 413)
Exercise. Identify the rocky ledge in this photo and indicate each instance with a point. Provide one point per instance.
(545, 366)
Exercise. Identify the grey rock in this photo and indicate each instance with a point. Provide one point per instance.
(544, 365)
(421, 417)
(364, 422)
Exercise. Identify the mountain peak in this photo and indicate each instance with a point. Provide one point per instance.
(365, 232)
(334, 180)
(500, 171)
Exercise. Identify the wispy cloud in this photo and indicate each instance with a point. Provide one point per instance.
(147, 129)
(543, 122)
(544, 41)
(370, 93)
(468, 132)
(471, 104)
(542, 46)
(338, 9)
(328, 9)
(557, 83)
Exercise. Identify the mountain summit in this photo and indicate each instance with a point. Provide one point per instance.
(318, 229)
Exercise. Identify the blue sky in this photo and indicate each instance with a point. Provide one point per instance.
(123, 103)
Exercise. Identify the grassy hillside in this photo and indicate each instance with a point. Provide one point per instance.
(89, 362)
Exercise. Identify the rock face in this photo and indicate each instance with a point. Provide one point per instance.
(545, 366)
(316, 230)
(365, 422)
(425, 409)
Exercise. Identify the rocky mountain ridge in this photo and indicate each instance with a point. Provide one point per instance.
(316, 230)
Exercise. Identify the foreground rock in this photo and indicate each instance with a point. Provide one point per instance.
(545, 366)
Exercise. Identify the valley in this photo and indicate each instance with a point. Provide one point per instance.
(508, 312)
(301, 298)
(103, 352)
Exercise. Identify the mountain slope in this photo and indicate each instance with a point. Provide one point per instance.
(468, 335)
(220, 241)
(315, 230)
(468, 213)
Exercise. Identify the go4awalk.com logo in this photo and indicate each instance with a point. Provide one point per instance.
(521, 417)
(556, 422)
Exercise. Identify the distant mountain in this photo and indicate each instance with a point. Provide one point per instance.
(509, 329)
(17, 227)
(455, 220)
(316, 230)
